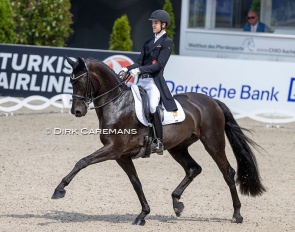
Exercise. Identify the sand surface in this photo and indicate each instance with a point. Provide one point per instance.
(101, 198)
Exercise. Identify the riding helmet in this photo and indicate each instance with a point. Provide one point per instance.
(161, 15)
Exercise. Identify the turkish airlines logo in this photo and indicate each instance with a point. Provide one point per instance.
(117, 62)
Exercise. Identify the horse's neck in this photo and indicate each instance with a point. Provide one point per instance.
(108, 88)
(120, 107)
(105, 81)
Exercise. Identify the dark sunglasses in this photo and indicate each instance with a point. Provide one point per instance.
(253, 17)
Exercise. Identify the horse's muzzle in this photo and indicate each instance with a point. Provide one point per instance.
(79, 111)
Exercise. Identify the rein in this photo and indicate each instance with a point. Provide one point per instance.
(88, 97)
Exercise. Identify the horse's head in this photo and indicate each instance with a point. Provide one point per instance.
(80, 81)
(92, 81)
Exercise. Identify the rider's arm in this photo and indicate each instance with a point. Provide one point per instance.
(161, 61)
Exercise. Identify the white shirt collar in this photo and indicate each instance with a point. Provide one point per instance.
(254, 28)
(157, 36)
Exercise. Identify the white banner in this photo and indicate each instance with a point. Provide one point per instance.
(241, 45)
(261, 90)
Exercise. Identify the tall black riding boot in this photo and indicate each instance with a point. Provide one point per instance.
(159, 133)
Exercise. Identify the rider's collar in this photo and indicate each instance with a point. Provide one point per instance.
(157, 36)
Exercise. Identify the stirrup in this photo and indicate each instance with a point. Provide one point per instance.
(159, 147)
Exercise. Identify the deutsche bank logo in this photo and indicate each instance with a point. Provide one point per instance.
(291, 96)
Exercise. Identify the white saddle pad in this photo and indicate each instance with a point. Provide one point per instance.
(169, 117)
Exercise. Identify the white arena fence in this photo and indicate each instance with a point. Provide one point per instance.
(261, 90)
(61, 101)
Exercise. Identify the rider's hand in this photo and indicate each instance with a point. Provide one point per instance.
(134, 71)
(125, 70)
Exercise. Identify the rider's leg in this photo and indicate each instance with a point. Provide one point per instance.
(159, 132)
(154, 97)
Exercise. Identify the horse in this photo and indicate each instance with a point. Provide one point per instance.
(206, 119)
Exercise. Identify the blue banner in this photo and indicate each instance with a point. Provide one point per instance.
(44, 71)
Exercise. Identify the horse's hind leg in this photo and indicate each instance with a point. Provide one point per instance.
(128, 166)
(191, 168)
(216, 148)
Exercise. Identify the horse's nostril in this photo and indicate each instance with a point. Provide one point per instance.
(78, 112)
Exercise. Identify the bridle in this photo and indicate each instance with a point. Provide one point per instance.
(88, 97)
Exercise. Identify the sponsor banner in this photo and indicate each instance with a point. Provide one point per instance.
(261, 90)
(44, 71)
(241, 45)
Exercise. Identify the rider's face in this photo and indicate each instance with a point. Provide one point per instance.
(156, 25)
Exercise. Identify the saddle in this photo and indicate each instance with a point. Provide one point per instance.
(142, 110)
(146, 105)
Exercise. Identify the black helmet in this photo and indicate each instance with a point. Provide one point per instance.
(161, 15)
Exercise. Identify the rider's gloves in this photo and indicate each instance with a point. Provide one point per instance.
(134, 71)
(125, 70)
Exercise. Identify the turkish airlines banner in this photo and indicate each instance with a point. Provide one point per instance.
(44, 71)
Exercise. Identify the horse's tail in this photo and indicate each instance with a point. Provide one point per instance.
(247, 171)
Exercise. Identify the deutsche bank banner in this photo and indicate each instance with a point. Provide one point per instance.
(261, 90)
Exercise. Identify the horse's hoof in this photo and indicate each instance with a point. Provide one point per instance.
(139, 222)
(58, 194)
(237, 219)
(178, 208)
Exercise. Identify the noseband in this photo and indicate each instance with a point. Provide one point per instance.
(88, 97)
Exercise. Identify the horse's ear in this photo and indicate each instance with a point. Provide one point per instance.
(74, 64)
(82, 62)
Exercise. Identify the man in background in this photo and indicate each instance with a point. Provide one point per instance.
(253, 24)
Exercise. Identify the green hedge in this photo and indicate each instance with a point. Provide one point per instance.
(42, 22)
(120, 38)
(7, 25)
(170, 30)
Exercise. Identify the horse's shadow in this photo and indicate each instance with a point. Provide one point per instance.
(71, 217)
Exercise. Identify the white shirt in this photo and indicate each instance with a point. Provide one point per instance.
(157, 36)
(254, 28)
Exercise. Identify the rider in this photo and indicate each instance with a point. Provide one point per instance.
(150, 68)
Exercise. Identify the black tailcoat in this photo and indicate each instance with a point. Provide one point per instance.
(152, 60)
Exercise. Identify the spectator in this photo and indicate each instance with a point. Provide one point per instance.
(254, 25)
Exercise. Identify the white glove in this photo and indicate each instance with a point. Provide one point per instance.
(125, 70)
(134, 72)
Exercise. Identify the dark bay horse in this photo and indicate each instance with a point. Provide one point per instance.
(207, 120)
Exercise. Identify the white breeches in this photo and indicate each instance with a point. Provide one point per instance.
(154, 94)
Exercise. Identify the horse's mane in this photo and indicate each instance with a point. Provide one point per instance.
(105, 68)
(102, 65)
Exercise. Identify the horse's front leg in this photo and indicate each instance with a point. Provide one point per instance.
(128, 166)
(103, 154)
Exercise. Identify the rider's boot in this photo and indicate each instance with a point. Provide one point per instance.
(158, 142)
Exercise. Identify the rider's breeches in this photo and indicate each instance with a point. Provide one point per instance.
(154, 94)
